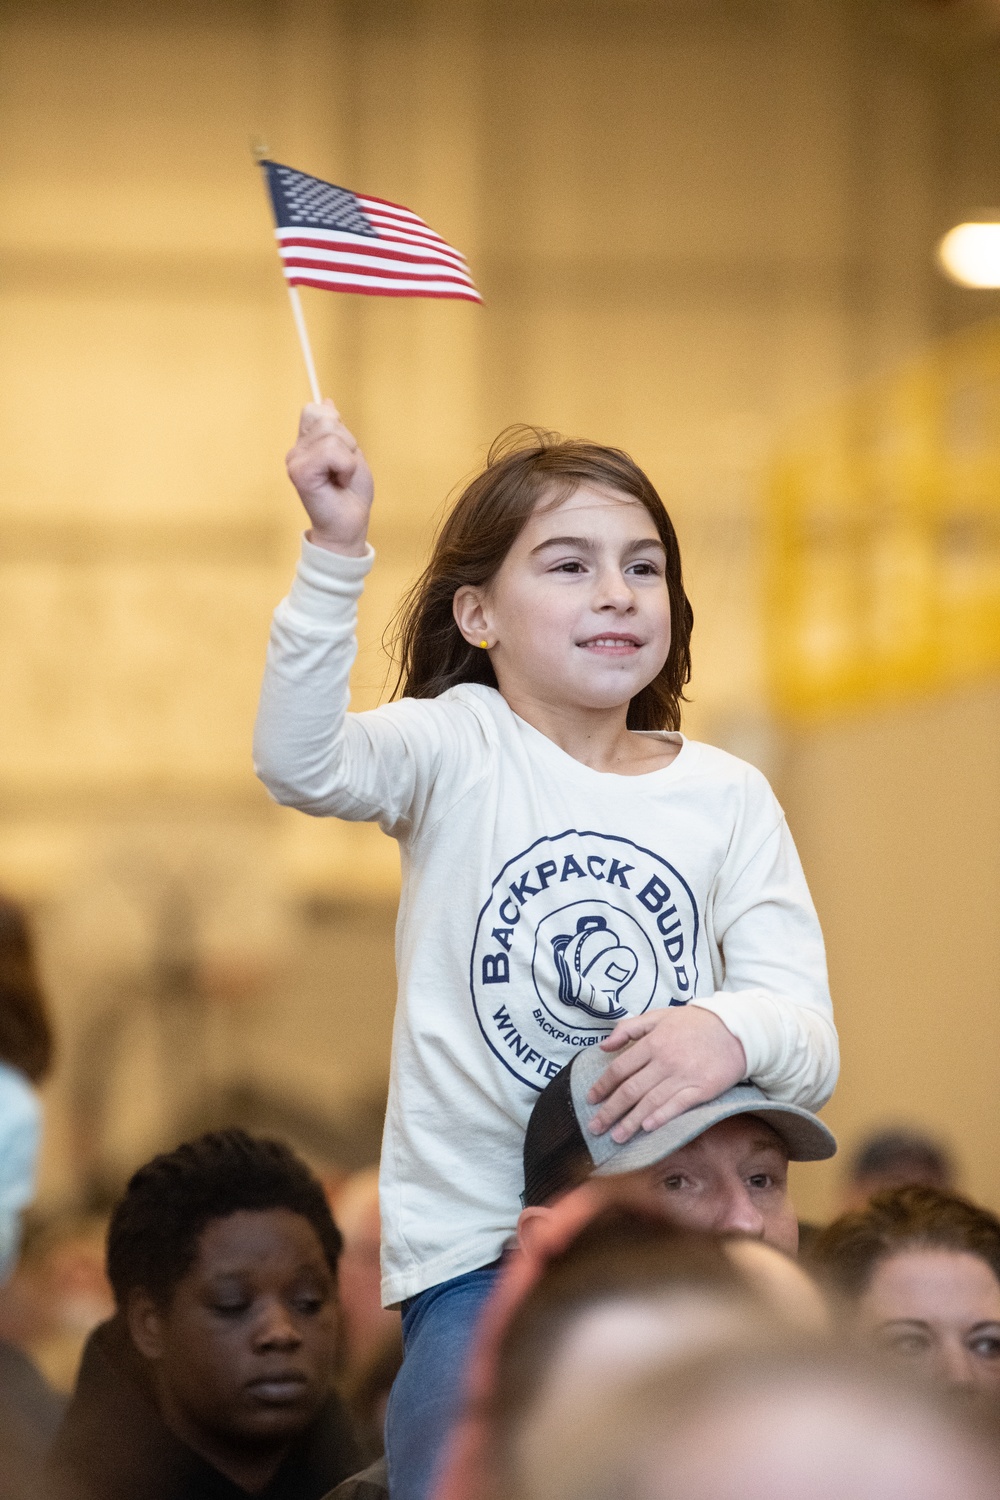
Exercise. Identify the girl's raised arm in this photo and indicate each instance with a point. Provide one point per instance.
(310, 753)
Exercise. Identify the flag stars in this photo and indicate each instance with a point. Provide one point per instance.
(307, 200)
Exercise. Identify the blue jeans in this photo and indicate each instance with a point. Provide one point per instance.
(426, 1397)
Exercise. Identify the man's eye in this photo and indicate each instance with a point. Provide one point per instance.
(673, 1183)
(760, 1180)
(986, 1345)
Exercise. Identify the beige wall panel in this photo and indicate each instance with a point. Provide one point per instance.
(627, 142)
(418, 405)
(897, 819)
(132, 406)
(331, 1046)
(143, 675)
(127, 130)
(642, 369)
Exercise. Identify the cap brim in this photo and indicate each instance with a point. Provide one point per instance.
(805, 1136)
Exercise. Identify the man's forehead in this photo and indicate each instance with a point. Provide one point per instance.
(738, 1136)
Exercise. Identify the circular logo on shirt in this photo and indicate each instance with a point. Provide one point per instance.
(581, 930)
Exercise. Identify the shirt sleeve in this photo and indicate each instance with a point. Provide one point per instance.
(380, 766)
(774, 995)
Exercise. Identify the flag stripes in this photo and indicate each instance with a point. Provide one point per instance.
(332, 238)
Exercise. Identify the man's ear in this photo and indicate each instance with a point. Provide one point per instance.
(530, 1223)
(145, 1324)
(470, 615)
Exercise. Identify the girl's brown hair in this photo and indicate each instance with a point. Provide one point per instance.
(526, 466)
(25, 1032)
(848, 1251)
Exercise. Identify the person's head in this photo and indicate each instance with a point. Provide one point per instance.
(561, 557)
(25, 1031)
(920, 1270)
(629, 1292)
(222, 1256)
(720, 1167)
(763, 1421)
(897, 1157)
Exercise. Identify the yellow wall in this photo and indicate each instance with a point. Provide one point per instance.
(691, 223)
(897, 817)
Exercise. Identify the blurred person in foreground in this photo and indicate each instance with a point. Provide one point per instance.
(29, 1409)
(767, 1422)
(919, 1273)
(718, 1169)
(629, 1292)
(214, 1379)
(897, 1156)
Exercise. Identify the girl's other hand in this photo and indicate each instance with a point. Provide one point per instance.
(333, 479)
(679, 1057)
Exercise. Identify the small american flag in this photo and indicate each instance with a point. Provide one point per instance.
(333, 238)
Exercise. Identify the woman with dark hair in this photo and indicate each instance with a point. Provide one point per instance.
(920, 1271)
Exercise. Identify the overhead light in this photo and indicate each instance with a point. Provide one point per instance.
(970, 253)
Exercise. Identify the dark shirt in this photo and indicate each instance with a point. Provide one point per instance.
(30, 1412)
(114, 1445)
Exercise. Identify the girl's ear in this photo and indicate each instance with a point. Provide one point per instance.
(145, 1324)
(471, 615)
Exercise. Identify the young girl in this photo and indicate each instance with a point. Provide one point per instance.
(574, 872)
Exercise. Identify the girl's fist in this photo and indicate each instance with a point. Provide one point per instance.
(333, 480)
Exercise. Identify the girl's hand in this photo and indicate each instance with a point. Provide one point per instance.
(334, 482)
(680, 1057)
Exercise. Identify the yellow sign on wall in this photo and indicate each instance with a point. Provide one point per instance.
(883, 538)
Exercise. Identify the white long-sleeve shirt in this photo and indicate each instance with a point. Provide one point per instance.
(541, 902)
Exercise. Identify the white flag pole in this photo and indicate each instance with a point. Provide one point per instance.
(303, 332)
(260, 151)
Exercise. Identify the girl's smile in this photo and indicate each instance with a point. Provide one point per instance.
(619, 645)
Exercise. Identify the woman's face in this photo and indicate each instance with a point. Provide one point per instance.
(938, 1311)
(244, 1354)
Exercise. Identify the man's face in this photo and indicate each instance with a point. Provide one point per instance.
(731, 1180)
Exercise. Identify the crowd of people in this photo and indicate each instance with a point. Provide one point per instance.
(654, 1330)
(634, 1052)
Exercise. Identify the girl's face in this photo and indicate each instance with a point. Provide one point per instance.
(939, 1310)
(578, 617)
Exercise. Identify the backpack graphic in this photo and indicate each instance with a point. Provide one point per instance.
(593, 966)
(579, 930)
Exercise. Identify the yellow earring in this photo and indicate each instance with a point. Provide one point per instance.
(485, 645)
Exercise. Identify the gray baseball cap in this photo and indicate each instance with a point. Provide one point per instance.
(558, 1142)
